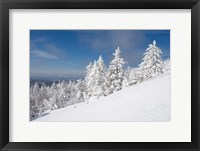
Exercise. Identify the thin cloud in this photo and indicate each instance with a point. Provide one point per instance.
(107, 41)
(39, 39)
(46, 46)
(48, 51)
(113, 38)
(34, 62)
(43, 54)
(53, 49)
(75, 65)
(97, 41)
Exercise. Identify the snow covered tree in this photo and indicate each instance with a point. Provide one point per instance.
(152, 64)
(115, 72)
(130, 77)
(46, 98)
(91, 80)
(88, 70)
(71, 93)
(34, 107)
(61, 95)
(166, 64)
(100, 79)
(96, 79)
(53, 92)
(138, 75)
(126, 79)
(88, 78)
(44, 104)
(39, 100)
(80, 91)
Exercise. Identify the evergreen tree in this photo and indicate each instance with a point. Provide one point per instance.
(166, 65)
(96, 79)
(115, 72)
(80, 91)
(87, 79)
(130, 77)
(152, 64)
(91, 80)
(71, 93)
(88, 70)
(100, 78)
(34, 107)
(44, 104)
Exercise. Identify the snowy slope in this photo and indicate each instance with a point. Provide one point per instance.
(147, 101)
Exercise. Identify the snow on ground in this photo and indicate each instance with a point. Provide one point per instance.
(147, 101)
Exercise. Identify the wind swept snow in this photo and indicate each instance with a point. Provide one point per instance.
(144, 102)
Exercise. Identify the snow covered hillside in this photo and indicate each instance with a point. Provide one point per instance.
(147, 101)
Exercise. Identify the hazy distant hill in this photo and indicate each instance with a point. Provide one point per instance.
(49, 80)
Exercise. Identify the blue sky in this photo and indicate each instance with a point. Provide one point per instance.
(67, 52)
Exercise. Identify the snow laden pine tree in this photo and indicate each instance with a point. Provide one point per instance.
(90, 81)
(100, 79)
(115, 72)
(88, 70)
(80, 91)
(152, 64)
(130, 77)
(96, 79)
(88, 78)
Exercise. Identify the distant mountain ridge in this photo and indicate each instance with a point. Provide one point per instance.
(48, 81)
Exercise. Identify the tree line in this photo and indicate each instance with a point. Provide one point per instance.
(99, 81)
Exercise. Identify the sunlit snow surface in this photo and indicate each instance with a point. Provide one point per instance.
(144, 102)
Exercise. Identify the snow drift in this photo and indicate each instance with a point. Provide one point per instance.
(144, 102)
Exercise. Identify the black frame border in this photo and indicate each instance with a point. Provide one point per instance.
(5, 5)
